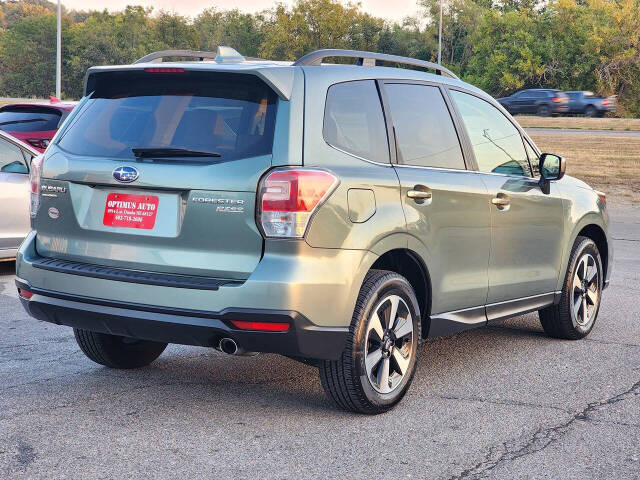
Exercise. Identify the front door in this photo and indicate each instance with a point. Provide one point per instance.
(444, 204)
(526, 224)
(522, 102)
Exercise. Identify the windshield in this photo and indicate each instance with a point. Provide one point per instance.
(230, 114)
(29, 119)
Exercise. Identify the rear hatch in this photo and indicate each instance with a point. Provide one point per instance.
(161, 167)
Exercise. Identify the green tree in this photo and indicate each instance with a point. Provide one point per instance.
(27, 57)
(107, 39)
(507, 53)
(289, 33)
(174, 31)
(232, 28)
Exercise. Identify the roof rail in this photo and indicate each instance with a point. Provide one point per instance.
(222, 55)
(369, 59)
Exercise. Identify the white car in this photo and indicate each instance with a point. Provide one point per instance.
(15, 161)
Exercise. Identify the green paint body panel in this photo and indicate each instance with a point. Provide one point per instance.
(473, 254)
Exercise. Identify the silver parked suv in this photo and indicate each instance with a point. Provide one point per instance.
(335, 214)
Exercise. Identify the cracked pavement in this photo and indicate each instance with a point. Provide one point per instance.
(500, 402)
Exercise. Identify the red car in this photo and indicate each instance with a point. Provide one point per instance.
(34, 123)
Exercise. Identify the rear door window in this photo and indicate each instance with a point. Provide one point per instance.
(229, 114)
(354, 122)
(425, 134)
(29, 119)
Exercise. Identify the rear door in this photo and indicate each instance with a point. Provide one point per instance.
(444, 204)
(175, 211)
(527, 225)
(14, 195)
(575, 101)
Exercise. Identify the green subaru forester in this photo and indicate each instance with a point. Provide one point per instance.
(332, 213)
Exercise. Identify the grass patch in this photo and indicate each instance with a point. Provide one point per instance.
(579, 123)
(608, 162)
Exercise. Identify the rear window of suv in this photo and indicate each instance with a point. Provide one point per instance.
(20, 118)
(229, 114)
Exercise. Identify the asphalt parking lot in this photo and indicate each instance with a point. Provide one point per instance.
(498, 402)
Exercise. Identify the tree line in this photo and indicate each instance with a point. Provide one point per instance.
(498, 45)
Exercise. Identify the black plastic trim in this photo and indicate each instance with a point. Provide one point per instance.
(185, 326)
(132, 276)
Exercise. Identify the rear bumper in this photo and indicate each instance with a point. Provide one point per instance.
(187, 327)
(312, 289)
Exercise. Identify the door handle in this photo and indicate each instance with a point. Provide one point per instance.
(501, 201)
(418, 195)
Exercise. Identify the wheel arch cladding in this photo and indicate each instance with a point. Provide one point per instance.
(409, 265)
(596, 233)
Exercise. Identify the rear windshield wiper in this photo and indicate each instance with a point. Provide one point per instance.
(25, 120)
(168, 152)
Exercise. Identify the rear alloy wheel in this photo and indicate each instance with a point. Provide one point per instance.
(117, 352)
(591, 111)
(543, 111)
(379, 360)
(576, 313)
(389, 339)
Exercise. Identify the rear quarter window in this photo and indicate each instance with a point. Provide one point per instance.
(354, 122)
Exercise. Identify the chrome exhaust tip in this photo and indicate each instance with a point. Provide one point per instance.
(230, 347)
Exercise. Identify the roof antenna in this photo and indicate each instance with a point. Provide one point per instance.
(228, 55)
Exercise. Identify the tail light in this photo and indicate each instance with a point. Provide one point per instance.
(606, 102)
(34, 182)
(26, 294)
(287, 199)
(603, 198)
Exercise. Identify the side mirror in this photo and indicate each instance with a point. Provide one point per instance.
(14, 167)
(552, 167)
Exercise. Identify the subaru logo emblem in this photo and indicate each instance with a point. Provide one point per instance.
(125, 174)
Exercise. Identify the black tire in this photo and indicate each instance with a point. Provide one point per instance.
(564, 320)
(543, 111)
(117, 352)
(346, 381)
(591, 111)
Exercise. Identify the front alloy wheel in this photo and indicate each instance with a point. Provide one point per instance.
(576, 312)
(585, 294)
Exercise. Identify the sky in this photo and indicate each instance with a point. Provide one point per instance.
(390, 9)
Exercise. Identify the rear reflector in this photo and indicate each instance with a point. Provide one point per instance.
(164, 70)
(262, 326)
(25, 293)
